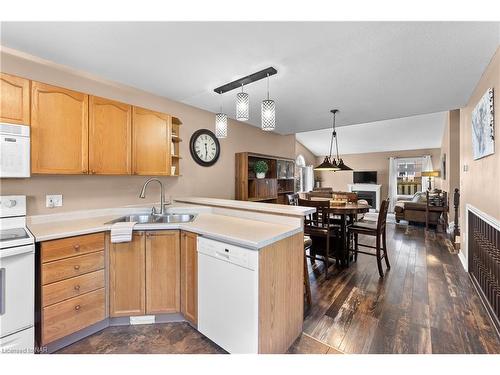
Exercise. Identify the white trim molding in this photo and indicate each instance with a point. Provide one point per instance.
(367, 187)
(464, 258)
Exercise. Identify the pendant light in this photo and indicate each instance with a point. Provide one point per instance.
(328, 164)
(268, 112)
(332, 164)
(242, 106)
(221, 122)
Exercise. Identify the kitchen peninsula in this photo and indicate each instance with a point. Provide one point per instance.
(174, 272)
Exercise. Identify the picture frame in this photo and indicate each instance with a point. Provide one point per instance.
(482, 122)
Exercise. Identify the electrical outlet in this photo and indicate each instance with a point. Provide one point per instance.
(52, 201)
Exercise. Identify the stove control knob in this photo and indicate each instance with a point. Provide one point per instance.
(10, 203)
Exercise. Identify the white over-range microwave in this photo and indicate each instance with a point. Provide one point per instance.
(14, 150)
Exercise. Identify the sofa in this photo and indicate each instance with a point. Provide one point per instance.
(415, 210)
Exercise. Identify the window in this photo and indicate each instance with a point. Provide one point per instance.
(409, 178)
(304, 175)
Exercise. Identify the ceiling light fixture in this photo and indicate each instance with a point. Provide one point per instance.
(242, 106)
(268, 107)
(268, 112)
(329, 163)
(221, 123)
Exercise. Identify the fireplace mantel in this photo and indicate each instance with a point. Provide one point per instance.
(367, 187)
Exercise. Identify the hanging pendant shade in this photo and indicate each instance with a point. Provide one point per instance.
(242, 106)
(344, 167)
(327, 165)
(268, 112)
(221, 125)
(221, 122)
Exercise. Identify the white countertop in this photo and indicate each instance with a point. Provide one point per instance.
(270, 208)
(252, 234)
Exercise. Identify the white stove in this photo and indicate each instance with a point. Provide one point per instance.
(17, 277)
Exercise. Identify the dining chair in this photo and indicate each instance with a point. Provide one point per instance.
(377, 230)
(322, 231)
(292, 199)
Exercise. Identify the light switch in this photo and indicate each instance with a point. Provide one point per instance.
(52, 201)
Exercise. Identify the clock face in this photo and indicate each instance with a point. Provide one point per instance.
(204, 147)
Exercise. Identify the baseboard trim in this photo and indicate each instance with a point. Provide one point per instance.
(463, 260)
(77, 336)
(99, 326)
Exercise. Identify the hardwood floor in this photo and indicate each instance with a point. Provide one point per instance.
(425, 304)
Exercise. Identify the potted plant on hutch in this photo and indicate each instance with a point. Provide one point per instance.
(260, 168)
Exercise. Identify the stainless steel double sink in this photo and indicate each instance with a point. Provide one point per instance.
(155, 218)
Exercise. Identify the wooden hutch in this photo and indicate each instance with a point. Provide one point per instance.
(279, 179)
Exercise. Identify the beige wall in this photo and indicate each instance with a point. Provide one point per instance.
(300, 149)
(374, 161)
(480, 183)
(450, 147)
(86, 192)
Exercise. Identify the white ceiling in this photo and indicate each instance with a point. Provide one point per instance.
(409, 133)
(369, 70)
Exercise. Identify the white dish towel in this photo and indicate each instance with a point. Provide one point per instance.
(122, 232)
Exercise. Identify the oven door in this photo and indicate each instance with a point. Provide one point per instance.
(17, 289)
(14, 156)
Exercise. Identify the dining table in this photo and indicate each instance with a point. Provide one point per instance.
(347, 213)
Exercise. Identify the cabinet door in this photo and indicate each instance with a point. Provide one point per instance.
(110, 137)
(59, 130)
(126, 277)
(151, 142)
(266, 188)
(162, 272)
(189, 277)
(14, 99)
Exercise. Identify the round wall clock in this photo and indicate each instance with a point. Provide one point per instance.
(204, 147)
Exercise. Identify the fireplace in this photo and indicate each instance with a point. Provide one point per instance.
(369, 196)
(370, 192)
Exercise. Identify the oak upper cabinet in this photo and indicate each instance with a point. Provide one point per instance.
(127, 276)
(110, 137)
(189, 277)
(151, 142)
(59, 130)
(14, 99)
(162, 272)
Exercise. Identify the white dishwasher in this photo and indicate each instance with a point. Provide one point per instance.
(228, 292)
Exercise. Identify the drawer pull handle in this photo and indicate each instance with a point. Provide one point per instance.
(77, 307)
(76, 247)
(77, 267)
(77, 287)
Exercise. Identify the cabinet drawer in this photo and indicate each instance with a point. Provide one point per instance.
(72, 315)
(72, 246)
(71, 267)
(62, 290)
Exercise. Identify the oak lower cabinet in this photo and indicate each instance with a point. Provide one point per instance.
(59, 130)
(72, 278)
(189, 277)
(145, 274)
(163, 258)
(127, 277)
(14, 99)
(110, 137)
(151, 142)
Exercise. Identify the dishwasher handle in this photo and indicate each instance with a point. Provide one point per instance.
(225, 255)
